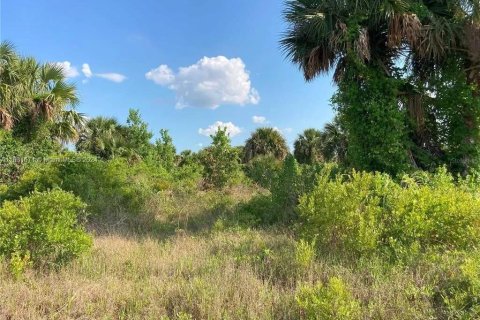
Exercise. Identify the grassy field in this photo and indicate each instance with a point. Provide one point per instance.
(189, 264)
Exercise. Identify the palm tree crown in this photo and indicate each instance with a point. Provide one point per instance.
(308, 146)
(331, 34)
(265, 141)
(101, 137)
(38, 92)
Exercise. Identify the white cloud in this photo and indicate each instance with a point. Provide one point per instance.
(284, 130)
(259, 120)
(87, 72)
(115, 77)
(111, 76)
(162, 75)
(232, 129)
(209, 83)
(69, 71)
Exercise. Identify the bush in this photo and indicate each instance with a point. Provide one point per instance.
(40, 177)
(10, 149)
(370, 212)
(106, 186)
(263, 170)
(304, 254)
(327, 302)
(457, 295)
(43, 229)
(16, 157)
(113, 185)
(221, 161)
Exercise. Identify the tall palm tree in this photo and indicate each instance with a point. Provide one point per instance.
(265, 141)
(331, 34)
(101, 137)
(308, 146)
(341, 35)
(326, 35)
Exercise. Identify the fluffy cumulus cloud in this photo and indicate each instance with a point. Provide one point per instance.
(111, 76)
(87, 72)
(232, 129)
(69, 71)
(259, 120)
(209, 83)
(162, 75)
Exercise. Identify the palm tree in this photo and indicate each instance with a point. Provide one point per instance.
(357, 36)
(332, 34)
(12, 86)
(50, 94)
(32, 90)
(67, 126)
(101, 137)
(308, 147)
(265, 141)
(334, 142)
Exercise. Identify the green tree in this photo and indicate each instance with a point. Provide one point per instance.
(377, 135)
(286, 189)
(351, 37)
(137, 136)
(165, 151)
(220, 160)
(367, 40)
(265, 141)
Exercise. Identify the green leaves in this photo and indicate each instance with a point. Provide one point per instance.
(368, 213)
(43, 229)
(221, 162)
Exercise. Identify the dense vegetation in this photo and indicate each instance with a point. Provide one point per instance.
(374, 216)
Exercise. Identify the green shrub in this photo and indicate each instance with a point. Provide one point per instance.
(10, 150)
(305, 254)
(367, 212)
(327, 302)
(16, 157)
(440, 215)
(44, 229)
(258, 211)
(345, 214)
(40, 177)
(113, 185)
(188, 176)
(106, 186)
(263, 170)
(221, 161)
(457, 294)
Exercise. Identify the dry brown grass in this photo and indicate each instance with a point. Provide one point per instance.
(145, 279)
(225, 275)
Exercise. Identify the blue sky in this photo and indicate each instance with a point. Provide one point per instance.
(210, 61)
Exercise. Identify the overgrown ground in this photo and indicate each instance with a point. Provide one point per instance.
(193, 261)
